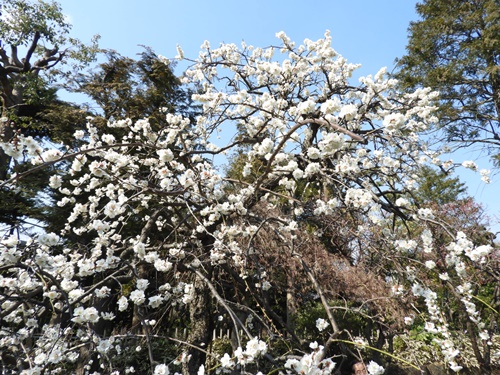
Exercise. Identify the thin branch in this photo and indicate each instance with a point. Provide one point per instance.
(323, 122)
(331, 318)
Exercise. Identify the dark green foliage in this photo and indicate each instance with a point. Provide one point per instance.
(25, 203)
(455, 49)
(126, 88)
(437, 187)
(43, 115)
(34, 44)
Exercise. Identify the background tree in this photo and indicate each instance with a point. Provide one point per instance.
(123, 87)
(436, 186)
(35, 44)
(455, 49)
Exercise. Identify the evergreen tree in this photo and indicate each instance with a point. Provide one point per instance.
(437, 187)
(455, 48)
(126, 88)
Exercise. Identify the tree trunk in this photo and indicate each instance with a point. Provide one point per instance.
(199, 332)
(11, 100)
(6, 133)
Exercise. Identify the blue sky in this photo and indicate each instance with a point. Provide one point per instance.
(364, 31)
(369, 32)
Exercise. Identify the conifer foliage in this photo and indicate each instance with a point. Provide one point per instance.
(455, 49)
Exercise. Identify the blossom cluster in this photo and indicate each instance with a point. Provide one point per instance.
(311, 364)
(151, 216)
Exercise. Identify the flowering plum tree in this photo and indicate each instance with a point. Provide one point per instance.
(158, 238)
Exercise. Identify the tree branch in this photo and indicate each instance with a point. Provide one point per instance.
(31, 50)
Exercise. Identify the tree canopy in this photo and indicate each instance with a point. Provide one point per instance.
(455, 48)
(35, 42)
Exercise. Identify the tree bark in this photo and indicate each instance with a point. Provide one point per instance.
(199, 331)
(12, 98)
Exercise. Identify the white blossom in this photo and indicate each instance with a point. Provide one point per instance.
(122, 303)
(137, 297)
(485, 175)
(161, 370)
(469, 164)
(155, 301)
(321, 324)
(55, 181)
(84, 315)
(430, 264)
(348, 111)
(374, 369)
(142, 284)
